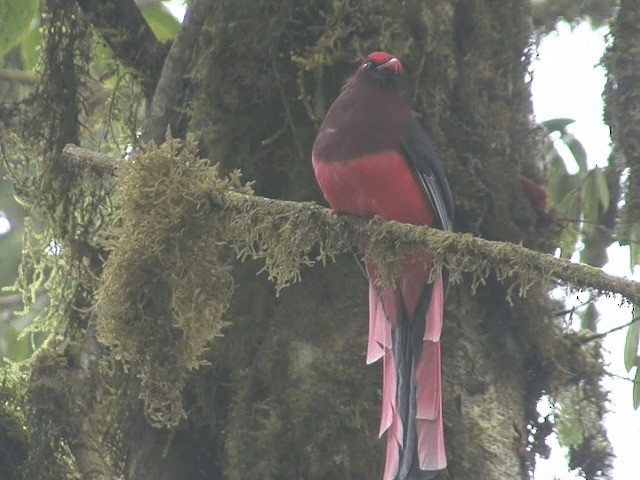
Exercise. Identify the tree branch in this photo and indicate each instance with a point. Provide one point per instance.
(20, 76)
(454, 246)
(127, 33)
(164, 112)
(88, 160)
(87, 447)
(598, 336)
(461, 252)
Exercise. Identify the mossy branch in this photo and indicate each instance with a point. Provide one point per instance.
(460, 252)
(288, 235)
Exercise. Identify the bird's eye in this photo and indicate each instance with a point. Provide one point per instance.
(367, 65)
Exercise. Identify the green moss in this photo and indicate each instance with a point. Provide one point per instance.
(623, 115)
(68, 208)
(167, 282)
(14, 436)
(301, 399)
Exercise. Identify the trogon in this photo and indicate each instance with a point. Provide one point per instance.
(373, 159)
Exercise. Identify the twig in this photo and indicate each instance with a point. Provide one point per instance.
(164, 112)
(572, 310)
(19, 76)
(85, 159)
(287, 110)
(87, 447)
(621, 377)
(11, 299)
(599, 335)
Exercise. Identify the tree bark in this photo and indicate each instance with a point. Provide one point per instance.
(476, 106)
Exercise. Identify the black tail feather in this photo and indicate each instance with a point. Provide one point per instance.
(407, 340)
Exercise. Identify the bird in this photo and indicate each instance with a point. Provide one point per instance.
(372, 158)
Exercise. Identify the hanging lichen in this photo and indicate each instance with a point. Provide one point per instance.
(69, 212)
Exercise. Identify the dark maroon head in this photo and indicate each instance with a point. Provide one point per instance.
(369, 116)
(381, 68)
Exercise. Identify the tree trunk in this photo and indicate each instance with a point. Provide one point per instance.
(305, 405)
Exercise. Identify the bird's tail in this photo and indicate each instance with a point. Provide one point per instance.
(404, 329)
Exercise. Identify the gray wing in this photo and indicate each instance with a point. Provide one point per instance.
(428, 168)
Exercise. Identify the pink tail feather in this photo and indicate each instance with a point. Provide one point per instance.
(412, 387)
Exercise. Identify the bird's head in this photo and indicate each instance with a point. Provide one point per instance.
(382, 69)
(383, 63)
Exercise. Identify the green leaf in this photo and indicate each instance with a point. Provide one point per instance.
(634, 254)
(602, 188)
(565, 187)
(569, 193)
(634, 246)
(631, 345)
(636, 389)
(590, 202)
(577, 150)
(30, 48)
(17, 16)
(557, 174)
(557, 124)
(570, 236)
(164, 25)
(557, 167)
(12, 346)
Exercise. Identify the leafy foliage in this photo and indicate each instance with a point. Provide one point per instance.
(632, 357)
(17, 19)
(163, 24)
(578, 198)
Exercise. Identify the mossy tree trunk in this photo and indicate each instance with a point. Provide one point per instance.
(286, 393)
(305, 405)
